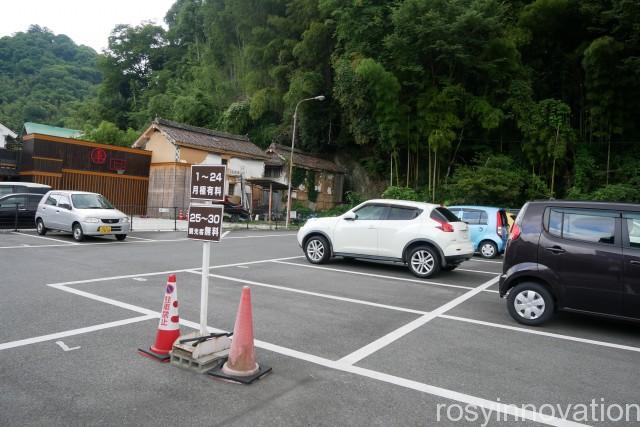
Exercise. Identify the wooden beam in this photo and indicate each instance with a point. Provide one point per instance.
(112, 175)
(38, 136)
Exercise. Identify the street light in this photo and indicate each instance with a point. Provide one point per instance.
(293, 142)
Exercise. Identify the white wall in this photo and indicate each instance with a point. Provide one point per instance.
(4, 132)
(212, 159)
(249, 168)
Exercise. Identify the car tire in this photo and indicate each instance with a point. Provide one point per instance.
(488, 249)
(450, 267)
(78, 234)
(40, 228)
(423, 262)
(317, 250)
(530, 303)
(121, 237)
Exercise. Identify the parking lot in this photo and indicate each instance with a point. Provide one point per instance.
(349, 342)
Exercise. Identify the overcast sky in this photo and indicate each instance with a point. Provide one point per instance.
(87, 22)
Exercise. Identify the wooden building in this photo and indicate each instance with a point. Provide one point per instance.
(121, 174)
(326, 177)
(177, 146)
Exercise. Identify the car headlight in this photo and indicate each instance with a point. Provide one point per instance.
(125, 219)
(94, 220)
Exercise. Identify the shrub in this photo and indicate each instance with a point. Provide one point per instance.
(400, 193)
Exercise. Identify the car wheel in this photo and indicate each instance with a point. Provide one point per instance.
(530, 303)
(316, 249)
(424, 262)
(488, 249)
(40, 228)
(121, 237)
(78, 234)
(450, 267)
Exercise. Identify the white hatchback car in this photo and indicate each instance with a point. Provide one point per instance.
(426, 237)
(81, 213)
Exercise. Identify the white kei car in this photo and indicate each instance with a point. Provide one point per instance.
(426, 237)
(81, 213)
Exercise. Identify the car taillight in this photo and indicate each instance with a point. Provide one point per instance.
(499, 223)
(445, 226)
(515, 232)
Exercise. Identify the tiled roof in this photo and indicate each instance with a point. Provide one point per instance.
(207, 139)
(301, 159)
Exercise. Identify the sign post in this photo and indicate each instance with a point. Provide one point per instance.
(208, 183)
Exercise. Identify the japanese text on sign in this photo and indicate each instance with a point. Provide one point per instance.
(166, 306)
(208, 182)
(205, 222)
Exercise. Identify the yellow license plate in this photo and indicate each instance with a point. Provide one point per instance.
(104, 229)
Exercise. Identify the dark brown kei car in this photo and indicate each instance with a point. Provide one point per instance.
(575, 256)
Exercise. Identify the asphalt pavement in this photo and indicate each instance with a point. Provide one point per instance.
(350, 342)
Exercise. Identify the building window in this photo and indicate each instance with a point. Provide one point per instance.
(272, 172)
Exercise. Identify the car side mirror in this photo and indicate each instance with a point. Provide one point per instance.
(350, 216)
(65, 206)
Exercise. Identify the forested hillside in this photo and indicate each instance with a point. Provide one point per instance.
(481, 101)
(44, 77)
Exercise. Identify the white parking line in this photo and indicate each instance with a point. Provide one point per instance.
(71, 244)
(477, 402)
(57, 335)
(484, 260)
(382, 276)
(393, 336)
(45, 238)
(158, 273)
(259, 236)
(105, 300)
(315, 294)
(477, 271)
(142, 240)
(543, 333)
(139, 238)
(489, 405)
(379, 376)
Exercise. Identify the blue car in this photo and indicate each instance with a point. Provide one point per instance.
(488, 228)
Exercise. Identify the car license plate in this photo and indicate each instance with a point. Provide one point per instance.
(104, 229)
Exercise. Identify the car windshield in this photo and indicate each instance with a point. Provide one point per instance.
(90, 201)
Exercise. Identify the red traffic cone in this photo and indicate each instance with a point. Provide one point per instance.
(241, 365)
(169, 326)
(181, 215)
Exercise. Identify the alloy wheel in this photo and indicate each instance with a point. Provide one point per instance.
(315, 250)
(422, 262)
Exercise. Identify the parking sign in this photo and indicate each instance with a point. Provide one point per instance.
(208, 182)
(205, 222)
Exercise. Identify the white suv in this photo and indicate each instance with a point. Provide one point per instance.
(426, 237)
